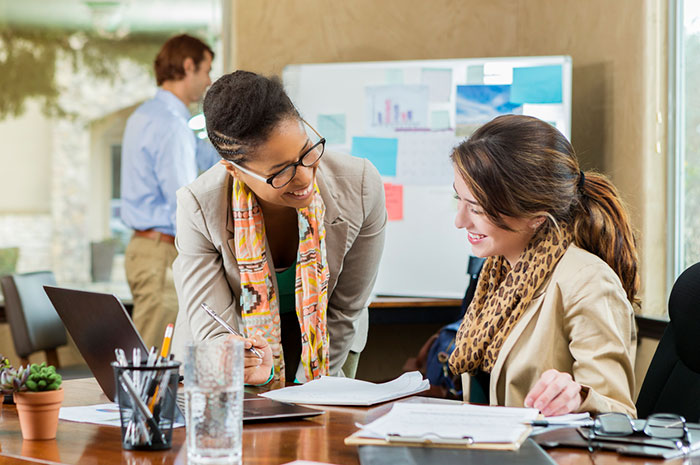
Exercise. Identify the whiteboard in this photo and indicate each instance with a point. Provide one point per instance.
(405, 117)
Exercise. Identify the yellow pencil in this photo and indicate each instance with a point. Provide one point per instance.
(164, 353)
(167, 338)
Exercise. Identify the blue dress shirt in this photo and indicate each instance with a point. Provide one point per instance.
(160, 154)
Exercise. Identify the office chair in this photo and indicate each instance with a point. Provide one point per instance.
(34, 323)
(474, 267)
(672, 383)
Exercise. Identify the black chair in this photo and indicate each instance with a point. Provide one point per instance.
(474, 267)
(672, 383)
(34, 323)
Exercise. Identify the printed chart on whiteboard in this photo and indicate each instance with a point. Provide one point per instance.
(406, 117)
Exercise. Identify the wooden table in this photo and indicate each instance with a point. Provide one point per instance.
(319, 439)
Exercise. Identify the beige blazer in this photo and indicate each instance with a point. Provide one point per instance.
(580, 322)
(206, 270)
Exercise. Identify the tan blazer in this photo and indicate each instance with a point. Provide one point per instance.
(580, 322)
(206, 270)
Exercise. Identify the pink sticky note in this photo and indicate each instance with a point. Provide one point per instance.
(394, 201)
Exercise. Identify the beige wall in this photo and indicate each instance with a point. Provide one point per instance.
(104, 133)
(618, 50)
(25, 162)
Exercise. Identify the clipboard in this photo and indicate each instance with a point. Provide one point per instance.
(432, 440)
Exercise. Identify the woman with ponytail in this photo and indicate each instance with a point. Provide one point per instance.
(551, 325)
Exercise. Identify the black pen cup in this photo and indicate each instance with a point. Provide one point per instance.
(147, 398)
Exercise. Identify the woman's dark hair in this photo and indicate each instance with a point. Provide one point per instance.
(242, 109)
(519, 166)
(168, 64)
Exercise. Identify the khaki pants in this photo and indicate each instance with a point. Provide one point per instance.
(350, 365)
(148, 265)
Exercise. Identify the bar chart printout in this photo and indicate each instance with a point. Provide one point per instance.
(398, 107)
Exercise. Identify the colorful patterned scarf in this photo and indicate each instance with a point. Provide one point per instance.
(260, 305)
(501, 296)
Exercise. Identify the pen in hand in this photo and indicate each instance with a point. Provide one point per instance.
(228, 327)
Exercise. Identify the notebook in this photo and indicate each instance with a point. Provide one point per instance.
(99, 323)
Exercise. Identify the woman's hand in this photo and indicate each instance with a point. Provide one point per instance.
(256, 370)
(555, 393)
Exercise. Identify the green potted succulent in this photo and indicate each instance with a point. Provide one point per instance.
(4, 366)
(36, 390)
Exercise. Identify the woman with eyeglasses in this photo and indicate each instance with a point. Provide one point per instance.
(551, 324)
(282, 239)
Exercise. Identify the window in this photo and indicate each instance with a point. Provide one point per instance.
(684, 140)
(116, 226)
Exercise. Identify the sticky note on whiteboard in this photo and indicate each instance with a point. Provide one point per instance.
(537, 84)
(439, 120)
(332, 127)
(394, 201)
(381, 151)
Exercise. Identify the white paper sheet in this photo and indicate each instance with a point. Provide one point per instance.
(391, 107)
(100, 414)
(333, 390)
(563, 421)
(573, 418)
(452, 422)
(424, 158)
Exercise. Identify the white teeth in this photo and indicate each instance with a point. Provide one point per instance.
(303, 192)
(476, 236)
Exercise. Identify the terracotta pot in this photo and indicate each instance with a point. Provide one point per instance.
(38, 413)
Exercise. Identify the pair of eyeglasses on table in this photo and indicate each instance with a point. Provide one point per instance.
(664, 426)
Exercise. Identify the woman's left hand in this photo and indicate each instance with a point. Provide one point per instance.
(555, 393)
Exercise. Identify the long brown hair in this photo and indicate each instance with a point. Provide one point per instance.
(519, 166)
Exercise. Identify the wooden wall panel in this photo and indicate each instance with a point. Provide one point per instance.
(609, 42)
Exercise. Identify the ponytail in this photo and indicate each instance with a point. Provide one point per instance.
(519, 166)
(601, 226)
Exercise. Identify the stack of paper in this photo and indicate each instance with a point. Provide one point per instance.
(332, 390)
(469, 425)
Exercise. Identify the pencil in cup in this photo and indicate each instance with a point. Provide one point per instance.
(164, 354)
(142, 429)
(229, 328)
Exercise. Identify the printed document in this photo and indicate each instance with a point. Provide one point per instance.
(451, 423)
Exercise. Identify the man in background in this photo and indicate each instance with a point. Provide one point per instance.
(160, 154)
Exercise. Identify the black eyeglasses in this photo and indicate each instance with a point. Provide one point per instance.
(658, 426)
(286, 174)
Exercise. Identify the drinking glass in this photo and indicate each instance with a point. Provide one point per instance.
(214, 401)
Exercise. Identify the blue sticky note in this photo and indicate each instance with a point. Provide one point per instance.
(475, 74)
(537, 84)
(381, 151)
(332, 127)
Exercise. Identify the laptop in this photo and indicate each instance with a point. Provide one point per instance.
(99, 323)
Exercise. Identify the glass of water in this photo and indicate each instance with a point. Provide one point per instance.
(214, 401)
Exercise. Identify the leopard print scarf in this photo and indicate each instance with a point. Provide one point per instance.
(501, 296)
